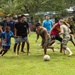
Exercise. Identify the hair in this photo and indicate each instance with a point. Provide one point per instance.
(5, 16)
(37, 24)
(65, 23)
(19, 17)
(23, 16)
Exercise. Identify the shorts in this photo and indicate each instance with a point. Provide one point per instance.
(24, 39)
(18, 40)
(6, 47)
(47, 43)
(56, 37)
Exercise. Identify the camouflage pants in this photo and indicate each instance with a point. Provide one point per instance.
(65, 41)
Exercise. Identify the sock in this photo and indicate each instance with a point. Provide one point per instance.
(69, 50)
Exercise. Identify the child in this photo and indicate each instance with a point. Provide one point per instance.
(6, 38)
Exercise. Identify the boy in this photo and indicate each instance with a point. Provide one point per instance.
(6, 37)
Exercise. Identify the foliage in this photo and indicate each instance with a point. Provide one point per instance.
(33, 6)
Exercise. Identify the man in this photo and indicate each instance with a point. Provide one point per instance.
(11, 23)
(4, 23)
(22, 30)
(54, 34)
(17, 39)
(45, 37)
(47, 23)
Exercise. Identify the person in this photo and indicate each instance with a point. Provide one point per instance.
(22, 30)
(27, 31)
(47, 23)
(72, 30)
(41, 31)
(17, 39)
(4, 23)
(54, 34)
(6, 38)
(66, 36)
(11, 23)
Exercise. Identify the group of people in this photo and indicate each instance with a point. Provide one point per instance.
(19, 30)
(49, 32)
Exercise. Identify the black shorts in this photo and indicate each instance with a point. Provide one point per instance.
(56, 37)
(6, 47)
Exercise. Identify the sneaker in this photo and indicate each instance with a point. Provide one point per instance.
(70, 54)
(23, 51)
(28, 54)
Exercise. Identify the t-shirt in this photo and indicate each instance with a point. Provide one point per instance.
(4, 24)
(21, 29)
(65, 29)
(11, 24)
(6, 37)
(47, 24)
(55, 31)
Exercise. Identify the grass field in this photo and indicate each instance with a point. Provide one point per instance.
(59, 64)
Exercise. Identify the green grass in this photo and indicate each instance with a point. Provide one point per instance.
(59, 64)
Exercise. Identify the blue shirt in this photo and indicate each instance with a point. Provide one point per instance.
(6, 38)
(47, 24)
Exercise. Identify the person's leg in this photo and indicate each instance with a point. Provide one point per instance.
(17, 52)
(61, 47)
(16, 43)
(64, 45)
(51, 40)
(28, 47)
(51, 47)
(1, 51)
(4, 52)
(15, 46)
(22, 48)
(5, 49)
(49, 43)
(70, 52)
(71, 39)
(59, 39)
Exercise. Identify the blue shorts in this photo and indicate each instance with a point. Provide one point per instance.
(24, 39)
(21, 39)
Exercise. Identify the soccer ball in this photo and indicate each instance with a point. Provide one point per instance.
(46, 57)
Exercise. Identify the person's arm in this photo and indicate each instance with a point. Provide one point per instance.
(61, 30)
(43, 24)
(15, 31)
(28, 29)
(37, 37)
(53, 27)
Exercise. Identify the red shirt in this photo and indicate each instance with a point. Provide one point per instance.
(55, 31)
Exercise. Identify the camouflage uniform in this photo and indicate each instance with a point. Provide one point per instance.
(66, 35)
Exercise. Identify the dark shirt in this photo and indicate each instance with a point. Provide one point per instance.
(4, 24)
(22, 29)
(11, 24)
